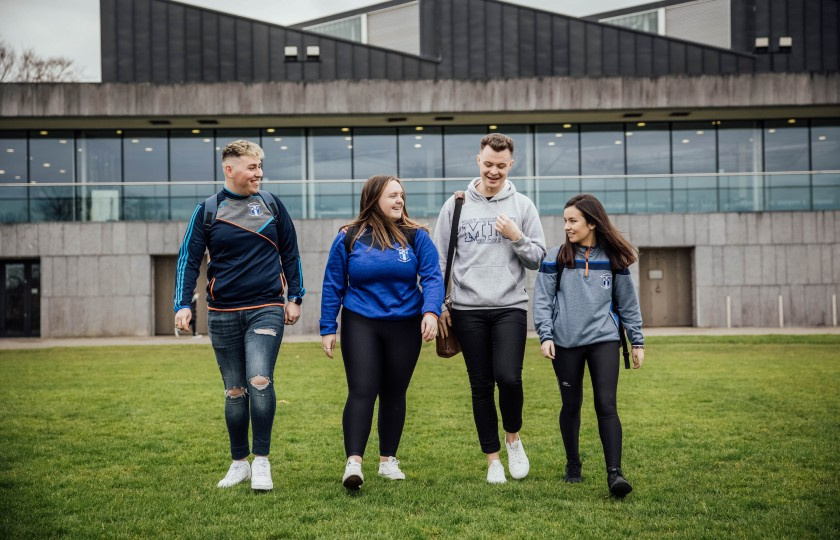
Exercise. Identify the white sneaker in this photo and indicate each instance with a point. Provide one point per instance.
(261, 475)
(518, 463)
(391, 469)
(239, 472)
(496, 473)
(353, 477)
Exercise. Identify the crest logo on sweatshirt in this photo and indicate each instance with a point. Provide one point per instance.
(255, 209)
(606, 281)
(402, 254)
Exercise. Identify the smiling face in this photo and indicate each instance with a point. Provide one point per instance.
(243, 174)
(494, 167)
(392, 201)
(578, 230)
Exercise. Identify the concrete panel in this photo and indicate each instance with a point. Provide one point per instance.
(171, 238)
(655, 226)
(46, 308)
(58, 315)
(825, 265)
(796, 259)
(673, 230)
(27, 241)
(640, 230)
(817, 306)
(689, 225)
(794, 307)
(769, 263)
(764, 224)
(736, 229)
(797, 223)
(108, 239)
(140, 275)
(710, 308)
(717, 229)
(46, 277)
(88, 276)
(718, 273)
(751, 225)
(71, 238)
(142, 309)
(809, 228)
(49, 242)
(769, 307)
(781, 224)
(7, 240)
(137, 239)
(72, 276)
(733, 265)
(109, 276)
(57, 275)
(119, 238)
(829, 229)
(782, 256)
(90, 239)
(750, 312)
(813, 264)
(835, 263)
(753, 265)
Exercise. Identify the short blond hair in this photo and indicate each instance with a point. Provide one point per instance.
(242, 148)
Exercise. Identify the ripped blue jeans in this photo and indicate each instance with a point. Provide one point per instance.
(246, 344)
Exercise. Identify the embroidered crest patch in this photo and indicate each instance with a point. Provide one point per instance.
(255, 209)
(606, 281)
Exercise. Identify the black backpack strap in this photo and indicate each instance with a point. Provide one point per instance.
(621, 335)
(268, 199)
(210, 207)
(453, 240)
(559, 275)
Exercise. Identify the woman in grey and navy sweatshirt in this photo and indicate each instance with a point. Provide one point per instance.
(576, 325)
(371, 277)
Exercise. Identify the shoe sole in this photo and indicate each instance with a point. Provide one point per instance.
(353, 482)
(573, 480)
(391, 477)
(515, 477)
(620, 488)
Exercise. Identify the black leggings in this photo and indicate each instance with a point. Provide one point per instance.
(493, 343)
(603, 369)
(379, 359)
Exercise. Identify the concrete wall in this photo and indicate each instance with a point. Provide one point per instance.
(97, 278)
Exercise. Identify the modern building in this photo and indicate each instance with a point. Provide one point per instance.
(717, 152)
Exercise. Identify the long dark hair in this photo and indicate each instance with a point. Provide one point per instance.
(384, 231)
(620, 252)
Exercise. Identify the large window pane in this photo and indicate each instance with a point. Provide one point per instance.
(825, 156)
(693, 147)
(374, 152)
(461, 145)
(145, 159)
(285, 160)
(523, 157)
(739, 151)
(648, 151)
(14, 206)
(786, 149)
(51, 160)
(192, 159)
(330, 159)
(99, 160)
(556, 153)
(421, 156)
(602, 154)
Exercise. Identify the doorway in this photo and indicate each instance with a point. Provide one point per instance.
(20, 303)
(665, 287)
(165, 292)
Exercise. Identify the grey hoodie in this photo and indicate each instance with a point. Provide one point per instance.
(580, 313)
(488, 270)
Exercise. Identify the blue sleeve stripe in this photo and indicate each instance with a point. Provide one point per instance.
(300, 274)
(182, 258)
(548, 267)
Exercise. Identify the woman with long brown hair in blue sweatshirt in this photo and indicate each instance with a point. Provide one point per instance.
(577, 325)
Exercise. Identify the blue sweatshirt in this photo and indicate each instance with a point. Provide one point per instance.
(244, 241)
(381, 284)
(581, 312)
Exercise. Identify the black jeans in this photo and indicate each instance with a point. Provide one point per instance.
(379, 359)
(603, 359)
(493, 343)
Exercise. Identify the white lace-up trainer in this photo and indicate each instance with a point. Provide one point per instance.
(353, 477)
(391, 469)
(496, 473)
(239, 472)
(261, 474)
(518, 463)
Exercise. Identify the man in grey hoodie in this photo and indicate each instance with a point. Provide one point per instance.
(499, 236)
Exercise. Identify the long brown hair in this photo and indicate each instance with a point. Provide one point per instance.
(384, 231)
(620, 252)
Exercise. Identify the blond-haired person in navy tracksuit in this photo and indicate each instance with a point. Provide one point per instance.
(577, 326)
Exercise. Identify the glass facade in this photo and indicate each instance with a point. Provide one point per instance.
(728, 166)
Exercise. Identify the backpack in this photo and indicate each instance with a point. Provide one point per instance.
(211, 205)
(622, 336)
(352, 231)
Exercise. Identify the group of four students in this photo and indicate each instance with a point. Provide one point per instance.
(383, 278)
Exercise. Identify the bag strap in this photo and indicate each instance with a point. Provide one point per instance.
(621, 335)
(453, 240)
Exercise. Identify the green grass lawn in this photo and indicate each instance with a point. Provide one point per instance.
(723, 437)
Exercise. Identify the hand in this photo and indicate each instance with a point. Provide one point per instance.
(328, 344)
(508, 228)
(183, 318)
(547, 348)
(638, 358)
(444, 323)
(429, 327)
(292, 313)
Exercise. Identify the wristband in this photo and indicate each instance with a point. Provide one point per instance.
(639, 347)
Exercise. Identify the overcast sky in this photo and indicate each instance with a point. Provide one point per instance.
(71, 27)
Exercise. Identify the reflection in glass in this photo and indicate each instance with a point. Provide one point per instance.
(421, 156)
(374, 152)
(14, 300)
(825, 156)
(602, 153)
(556, 153)
(99, 160)
(14, 205)
(145, 159)
(786, 149)
(285, 159)
(51, 159)
(739, 151)
(331, 159)
(192, 158)
(461, 145)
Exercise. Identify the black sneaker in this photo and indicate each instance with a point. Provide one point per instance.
(619, 486)
(573, 473)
